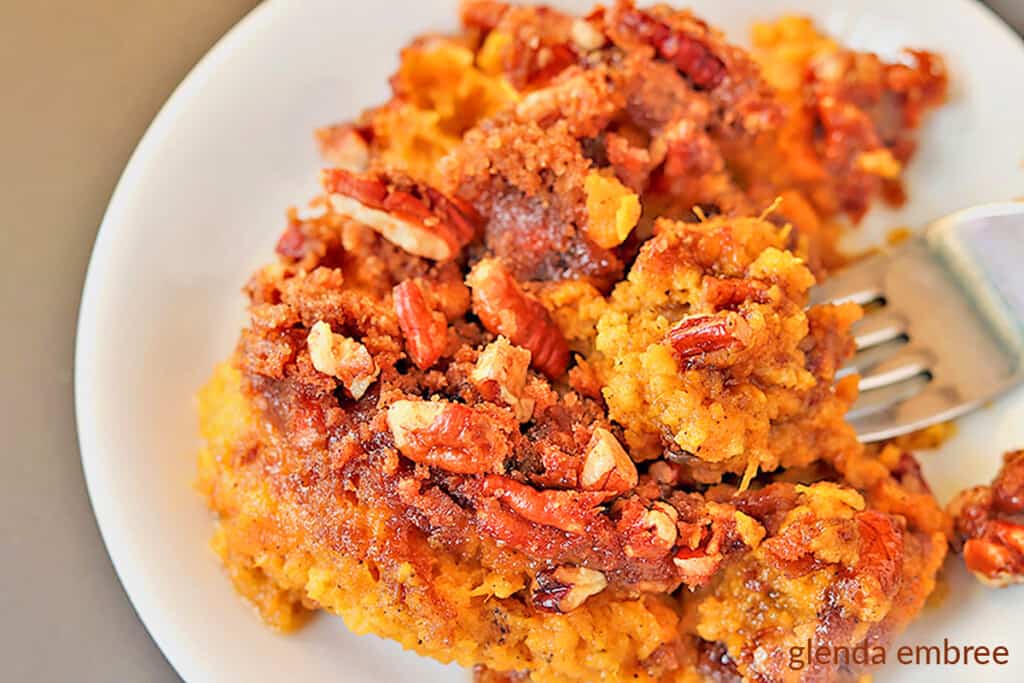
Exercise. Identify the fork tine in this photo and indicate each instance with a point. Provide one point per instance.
(863, 361)
(860, 283)
(904, 364)
(870, 402)
(878, 328)
(934, 404)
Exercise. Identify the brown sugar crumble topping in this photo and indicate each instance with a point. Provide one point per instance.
(533, 385)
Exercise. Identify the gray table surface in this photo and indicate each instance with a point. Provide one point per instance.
(81, 81)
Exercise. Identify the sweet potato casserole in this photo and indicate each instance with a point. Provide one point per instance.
(533, 385)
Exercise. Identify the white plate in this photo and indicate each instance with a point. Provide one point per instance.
(200, 206)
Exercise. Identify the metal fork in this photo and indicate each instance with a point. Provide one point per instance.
(943, 331)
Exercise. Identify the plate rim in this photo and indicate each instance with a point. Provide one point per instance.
(174, 650)
(86, 334)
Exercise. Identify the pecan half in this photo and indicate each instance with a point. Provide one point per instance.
(569, 511)
(606, 465)
(293, 243)
(341, 357)
(450, 436)
(500, 374)
(504, 308)
(425, 329)
(563, 589)
(409, 214)
(686, 53)
(698, 335)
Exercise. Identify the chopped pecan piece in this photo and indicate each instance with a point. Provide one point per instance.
(650, 532)
(529, 45)
(989, 525)
(504, 308)
(450, 436)
(881, 549)
(411, 215)
(587, 94)
(341, 357)
(293, 243)
(345, 146)
(729, 293)
(661, 519)
(483, 15)
(563, 589)
(500, 373)
(425, 329)
(586, 36)
(584, 380)
(695, 565)
(699, 335)
(997, 557)
(707, 537)
(606, 465)
(1008, 487)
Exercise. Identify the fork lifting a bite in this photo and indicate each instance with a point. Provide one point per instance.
(943, 330)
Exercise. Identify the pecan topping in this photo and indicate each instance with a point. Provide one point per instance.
(409, 214)
(997, 558)
(563, 589)
(881, 549)
(293, 243)
(706, 540)
(425, 329)
(449, 436)
(699, 335)
(504, 308)
(607, 466)
(661, 519)
(341, 357)
(989, 525)
(695, 565)
(569, 511)
(500, 374)
(585, 36)
(345, 146)
(729, 293)
(483, 15)
(650, 532)
(689, 55)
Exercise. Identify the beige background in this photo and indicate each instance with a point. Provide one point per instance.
(81, 79)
